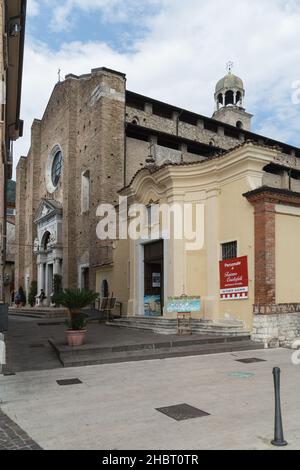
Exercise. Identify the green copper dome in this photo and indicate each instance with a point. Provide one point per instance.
(229, 82)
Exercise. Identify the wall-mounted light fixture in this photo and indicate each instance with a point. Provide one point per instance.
(14, 27)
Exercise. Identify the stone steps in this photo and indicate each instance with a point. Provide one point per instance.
(169, 326)
(37, 312)
(92, 355)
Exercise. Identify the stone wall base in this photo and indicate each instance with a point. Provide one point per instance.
(278, 330)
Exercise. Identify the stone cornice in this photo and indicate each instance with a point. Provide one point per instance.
(273, 195)
(245, 160)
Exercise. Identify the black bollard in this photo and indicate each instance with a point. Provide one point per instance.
(279, 438)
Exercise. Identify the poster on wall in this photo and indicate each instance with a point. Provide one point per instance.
(234, 282)
(155, 280)
(184, 304)
(152, 306)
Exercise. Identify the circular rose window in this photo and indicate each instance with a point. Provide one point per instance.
(54, 168)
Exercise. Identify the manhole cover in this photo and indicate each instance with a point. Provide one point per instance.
(241, 375)
(69, 382)
(182, 412)
(250, 360)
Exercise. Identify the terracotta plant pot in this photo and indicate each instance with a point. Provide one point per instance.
(76, 337)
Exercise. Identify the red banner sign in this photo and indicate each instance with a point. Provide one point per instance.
(234, 283)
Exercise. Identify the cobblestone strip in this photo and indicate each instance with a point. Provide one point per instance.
(12, 437)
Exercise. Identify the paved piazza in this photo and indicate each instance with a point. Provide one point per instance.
(115, 406)
(12, 437)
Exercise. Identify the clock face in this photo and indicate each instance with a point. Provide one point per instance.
(54, 168)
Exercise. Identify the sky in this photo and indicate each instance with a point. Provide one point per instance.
(171, 50)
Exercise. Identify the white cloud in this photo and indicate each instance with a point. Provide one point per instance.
(112, 10)
(184, 54)
(33, 7)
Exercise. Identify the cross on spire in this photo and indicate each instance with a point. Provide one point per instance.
(229, 66)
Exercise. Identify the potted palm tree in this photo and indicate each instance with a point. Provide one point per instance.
(74, 300)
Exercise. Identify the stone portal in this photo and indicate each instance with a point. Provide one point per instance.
(48, 245)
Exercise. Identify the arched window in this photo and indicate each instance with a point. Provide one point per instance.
(220, 98)
(135, 121)
(238, 98)
(212, 143)
(229, 98)
(45, 240)
(239, 125)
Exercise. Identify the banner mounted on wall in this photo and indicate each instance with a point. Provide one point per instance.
(234, 282)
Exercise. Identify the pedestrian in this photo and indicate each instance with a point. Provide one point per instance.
(42, 296)
(18, 299)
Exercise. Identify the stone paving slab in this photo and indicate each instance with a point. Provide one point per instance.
(28, 346)
(12, 437)
(115, 407)
(22, 339)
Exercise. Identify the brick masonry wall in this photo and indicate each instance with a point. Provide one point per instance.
(188, 131)
(264, 221)
(276, 330)
(100, 149)
(274, 324)
(85, 116)
(264, 202)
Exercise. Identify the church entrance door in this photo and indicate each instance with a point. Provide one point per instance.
(153, 280)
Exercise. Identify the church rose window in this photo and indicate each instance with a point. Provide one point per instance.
(56, 168)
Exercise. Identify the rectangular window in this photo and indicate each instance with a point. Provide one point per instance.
(229, 250)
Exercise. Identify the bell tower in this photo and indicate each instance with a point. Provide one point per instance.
(229, 101)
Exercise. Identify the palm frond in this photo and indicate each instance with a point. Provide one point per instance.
(75, 299)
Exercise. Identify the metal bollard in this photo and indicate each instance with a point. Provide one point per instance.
(279, 438)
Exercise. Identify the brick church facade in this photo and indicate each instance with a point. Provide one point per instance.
(95, 139)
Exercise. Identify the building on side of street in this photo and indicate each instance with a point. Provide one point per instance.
(12, 25)
(9, 274)
(98, 141)
(250, 216)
